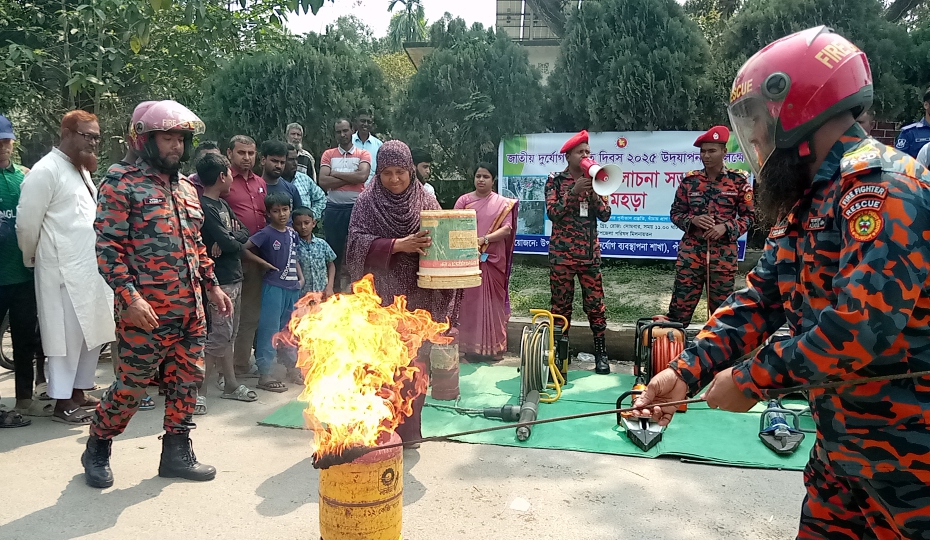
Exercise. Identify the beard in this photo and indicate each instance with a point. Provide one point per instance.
(781, 184)
(84, 159)
(169, 165)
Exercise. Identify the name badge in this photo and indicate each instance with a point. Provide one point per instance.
(153, 200)
(816, 224)
(584, 209)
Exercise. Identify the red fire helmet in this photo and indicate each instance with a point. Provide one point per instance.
(792, 87)
(165, 115)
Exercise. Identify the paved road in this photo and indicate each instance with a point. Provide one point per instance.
(266, 487)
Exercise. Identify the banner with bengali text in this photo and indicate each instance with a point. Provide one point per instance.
(653, 164)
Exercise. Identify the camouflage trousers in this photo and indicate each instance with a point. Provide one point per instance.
(178, 345)
(691, 276)
(850, 508)
(562, 286)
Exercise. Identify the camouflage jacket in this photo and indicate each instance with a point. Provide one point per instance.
(148, 240)
(574, 238)
(728, 199)
(849, 271)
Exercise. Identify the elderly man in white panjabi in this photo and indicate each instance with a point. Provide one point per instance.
(55, 229)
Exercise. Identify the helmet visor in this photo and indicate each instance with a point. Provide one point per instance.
(754, 125)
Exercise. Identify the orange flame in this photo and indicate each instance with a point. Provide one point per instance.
(356, 356)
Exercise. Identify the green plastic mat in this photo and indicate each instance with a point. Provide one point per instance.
(701, 434)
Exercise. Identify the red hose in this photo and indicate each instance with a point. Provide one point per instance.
(666, 346)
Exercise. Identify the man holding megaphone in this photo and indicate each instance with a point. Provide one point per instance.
(713, 206)
(574, 208)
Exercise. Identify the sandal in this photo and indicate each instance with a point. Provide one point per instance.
(41, 392)
(201, 407)
(273, 386)
(147, 404)
(38, 409)
(75, 417)
(13, 419)
(241, 394)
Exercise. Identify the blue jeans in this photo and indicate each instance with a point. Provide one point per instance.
(277, 306)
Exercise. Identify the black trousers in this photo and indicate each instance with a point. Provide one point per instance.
(336, 227)
(19, 300)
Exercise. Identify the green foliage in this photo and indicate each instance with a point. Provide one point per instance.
(476, 88)
(628, 65)
(408, 25)
(890, 51)
(397, 71)
(312, 83)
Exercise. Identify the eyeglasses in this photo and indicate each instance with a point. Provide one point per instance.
(92, 138)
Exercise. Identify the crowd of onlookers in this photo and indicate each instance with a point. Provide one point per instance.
(261, 207)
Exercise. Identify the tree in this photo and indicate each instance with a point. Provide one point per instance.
(397, 70)
(314, 83)
(476, 88)
(890, 51)
(631, 66)
(105, 56)
(407, 26)
(356, 33)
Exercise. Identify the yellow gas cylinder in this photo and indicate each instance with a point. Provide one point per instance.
(364, 499)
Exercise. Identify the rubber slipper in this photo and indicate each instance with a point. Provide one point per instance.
(273, 386)
(12, 419)
(74, 417)
(241, 394)
(90, 402)
(252, 373)
(37, 409)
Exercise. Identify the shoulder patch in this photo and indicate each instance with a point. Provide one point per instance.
(778, 231)
(863, 158)
(747, 195)
(865, 225)
(861, 191)
(900, 143)
(864, 204)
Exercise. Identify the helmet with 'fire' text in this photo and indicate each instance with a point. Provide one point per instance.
(163, 116)
(793, 86)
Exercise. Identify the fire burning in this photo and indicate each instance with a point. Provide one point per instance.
(356, 356)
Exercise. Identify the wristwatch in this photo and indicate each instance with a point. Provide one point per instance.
(486, 242)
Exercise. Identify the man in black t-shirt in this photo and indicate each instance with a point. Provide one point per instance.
(224, 236)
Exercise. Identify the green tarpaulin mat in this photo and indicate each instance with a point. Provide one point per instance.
(701, 434)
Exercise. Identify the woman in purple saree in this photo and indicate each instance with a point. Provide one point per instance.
(483, 324)
(384, 240)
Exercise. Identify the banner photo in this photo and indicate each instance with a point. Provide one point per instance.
(653, 164)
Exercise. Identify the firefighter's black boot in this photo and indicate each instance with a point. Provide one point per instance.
(601, 367)
(178, 459)
(96, 461)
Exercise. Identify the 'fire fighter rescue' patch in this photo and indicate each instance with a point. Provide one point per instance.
(865, 225)
(865, 190)
(866, 204)
(747, 196)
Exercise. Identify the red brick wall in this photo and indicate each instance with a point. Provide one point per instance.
(886, 132)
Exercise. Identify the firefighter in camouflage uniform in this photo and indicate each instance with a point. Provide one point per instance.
(847, 267)
(713, 206)
(150, 251)
(574, 250)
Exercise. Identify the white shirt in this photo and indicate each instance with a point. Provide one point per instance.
(55, 228)
(371, 145)
(924, 155)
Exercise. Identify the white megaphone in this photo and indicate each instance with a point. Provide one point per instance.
(607, 178)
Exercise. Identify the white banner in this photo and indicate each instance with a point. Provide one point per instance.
(653, 165)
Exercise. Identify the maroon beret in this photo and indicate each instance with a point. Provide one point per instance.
(716, 134)
(580, 137)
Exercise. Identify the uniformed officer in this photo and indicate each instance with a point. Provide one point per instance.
(150, 251)
(847, 267)
(915, 136)
(713, 206)
(574, 209)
